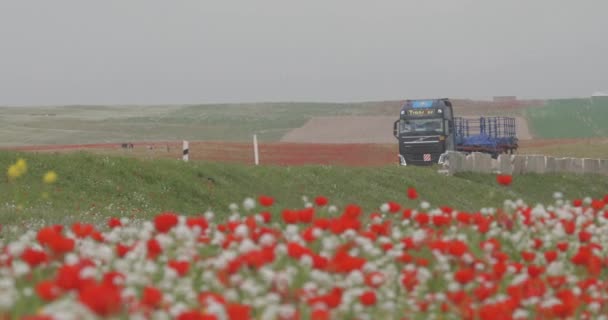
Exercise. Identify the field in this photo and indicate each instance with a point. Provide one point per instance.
(271, 121)
(328, 227)
(102, 124)
(572, 118)
(135, 238)
(578, 148)
(139, 187)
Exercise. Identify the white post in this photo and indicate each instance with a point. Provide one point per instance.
(185, 151)
(255, 150)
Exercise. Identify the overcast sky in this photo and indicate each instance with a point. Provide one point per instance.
(199, 51)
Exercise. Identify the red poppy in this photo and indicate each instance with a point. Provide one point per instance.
(151, 297)
(412, 193)
(550, 256)
(308, 234)
(61, 245)
(598, 204)
(457, 248)
(320, 314)
(265, 201)
(165, 221)
(122, 250)
(181, 267)
(114, 223)
(266, 216)
(34, 257)
(535, 271)
(47, 234)
(114, 278)
(393, 207)
(407, 213)
(528, 256)
(306, 215)
(200, 222)
(368, 298)
(321, 201)
(584, 236)
(48, 290)
(195, 315)
(464, 276)
(504, 179)
(238, 311)
(102, 299)
(154, 248)
(68, 277)
(422, 218)
(82, 230)
(290, 216)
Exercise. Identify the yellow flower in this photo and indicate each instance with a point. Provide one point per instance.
(49, 177)
(17, 170)
(13, 172)
(21, 166)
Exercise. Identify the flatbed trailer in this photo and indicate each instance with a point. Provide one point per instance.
(493, 135)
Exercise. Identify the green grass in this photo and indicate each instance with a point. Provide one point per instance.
(92, 188)
(570, 118)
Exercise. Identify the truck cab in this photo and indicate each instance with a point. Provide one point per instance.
(425, 130)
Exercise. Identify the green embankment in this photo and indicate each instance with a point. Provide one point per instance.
(570, 118)
(92, 188)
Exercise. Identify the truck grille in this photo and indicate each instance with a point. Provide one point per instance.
(414, 153)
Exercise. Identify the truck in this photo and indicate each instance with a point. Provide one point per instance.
(427, 129)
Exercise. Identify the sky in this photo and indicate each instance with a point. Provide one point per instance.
(199, 51)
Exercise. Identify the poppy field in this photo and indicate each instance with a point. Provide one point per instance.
(405, 260)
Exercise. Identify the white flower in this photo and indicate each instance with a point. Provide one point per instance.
(286, 311)
(233, 207)
(20, 268)
(520, 278)
(16, 248)
(242, 231)
(521, 314)
(332, 209)
(419, 236)
(550, 302)
(177, 309)
(249, 204)
(267, 240)
(555, 268)
(88, 272)
(384, 207)
(425, 205)
(209, 215)
(453, 286)
(306, 261)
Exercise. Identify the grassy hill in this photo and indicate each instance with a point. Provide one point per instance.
(92, 187)
(570, 118)
(226, 122)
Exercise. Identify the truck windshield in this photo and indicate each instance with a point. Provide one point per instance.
(422, 125)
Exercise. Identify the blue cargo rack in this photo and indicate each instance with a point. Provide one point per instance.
(492, 135)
